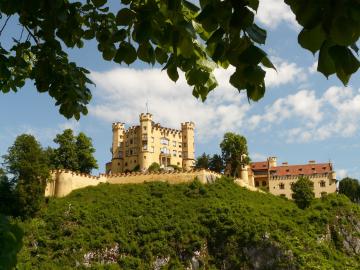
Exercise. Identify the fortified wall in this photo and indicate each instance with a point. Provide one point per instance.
(65, 181)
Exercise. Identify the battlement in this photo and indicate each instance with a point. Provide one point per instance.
(157, 126)
(118, 125)
(188, 125)
(145, 117)
(65, 181)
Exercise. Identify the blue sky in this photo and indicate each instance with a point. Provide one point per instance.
(302, 117)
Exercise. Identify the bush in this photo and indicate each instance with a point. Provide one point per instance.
(154, 167)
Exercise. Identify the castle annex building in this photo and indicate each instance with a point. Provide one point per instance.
(139, 146)
(279, 178)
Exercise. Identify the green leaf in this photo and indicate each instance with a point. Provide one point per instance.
(238, 80)
(267, 63)
(160, 55)
(256, 92)
(254, 4)
(109, 53)
(119, 35)
(145, 53)
(344, 31)
(125, 16)
(126, 53)
(99, 3)
(312, 39)
(253, 55)
(325, 63)
(256, 33)
(172, 72)
(197, 76)
(345, 62)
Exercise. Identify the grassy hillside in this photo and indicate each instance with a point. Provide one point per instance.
(217, 226)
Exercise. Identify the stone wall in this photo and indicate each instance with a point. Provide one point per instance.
(64, 181)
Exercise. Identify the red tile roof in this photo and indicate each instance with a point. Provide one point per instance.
(262, 165)
(306, 169)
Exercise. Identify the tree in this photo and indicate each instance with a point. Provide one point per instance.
(6, 194)
(216, 163)
(202, 162)
(85, 151)
(26, 163)
(195, 38)
(74, 152)
(65, 156)
(303, 192)
(351, 188)
(234, 152)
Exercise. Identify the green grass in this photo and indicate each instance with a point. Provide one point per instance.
(231, 226)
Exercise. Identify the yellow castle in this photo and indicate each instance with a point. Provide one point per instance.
(140, 146)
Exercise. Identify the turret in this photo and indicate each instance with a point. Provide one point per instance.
(117, 149)
(188, 147)
(145, 131)
(272, 162)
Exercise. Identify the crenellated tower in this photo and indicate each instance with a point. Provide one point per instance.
(145, 131)
(188, 147)
(117, 149)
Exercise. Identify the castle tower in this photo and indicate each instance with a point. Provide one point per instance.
(145, 136)
(272, 162)
(117, 149)
(188, 148)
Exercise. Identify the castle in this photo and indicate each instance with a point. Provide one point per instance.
(278, 179)
(137, 147)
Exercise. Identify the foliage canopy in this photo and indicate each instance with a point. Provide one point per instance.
(177, 34)
(225, 224)
(303, 193)
(26, 164)
(234, 152)
(351, 188)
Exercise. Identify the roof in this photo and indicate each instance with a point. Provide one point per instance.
(261, 165)
(305, 169)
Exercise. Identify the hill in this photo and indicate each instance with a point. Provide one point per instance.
(190, 226)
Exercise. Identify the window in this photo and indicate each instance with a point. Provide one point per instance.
(131, 141)
(263, 183)
(131, 151)
(174, 153)
(322, 184)
(282, 186)
(144, 127)
(178, 163)
(152, 139)
(174, 143)
(164, 141)
(145, 147)
(144, 157)
(164, 150)
(256, 183)
(135, 161)
(125, 164)
(179, 144)
(180, 154)
(152, 149)
(185, 144)
(120, 154)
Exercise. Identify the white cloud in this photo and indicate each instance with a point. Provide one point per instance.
(303, 105)
(258, 157)
(310, 118)
(285, 73)
(341, 173)
(273, 12)
(123, 92)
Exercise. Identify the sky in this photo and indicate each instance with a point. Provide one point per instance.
(302, 117)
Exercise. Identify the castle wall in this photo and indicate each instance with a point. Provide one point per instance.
(64, 182)
(323, 184)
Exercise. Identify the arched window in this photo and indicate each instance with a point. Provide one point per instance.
(282, 186)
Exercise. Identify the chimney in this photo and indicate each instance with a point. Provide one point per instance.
(312, 161)
(284, 163)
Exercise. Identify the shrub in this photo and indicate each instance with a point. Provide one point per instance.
(154, 167)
